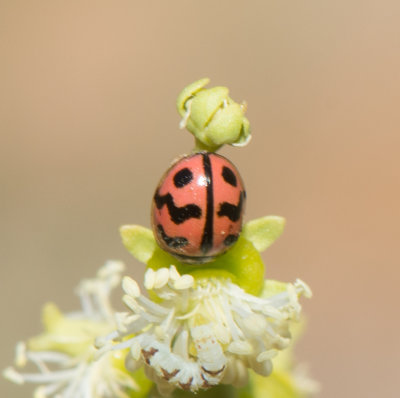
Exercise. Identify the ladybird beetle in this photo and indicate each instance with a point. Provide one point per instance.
(198, 207)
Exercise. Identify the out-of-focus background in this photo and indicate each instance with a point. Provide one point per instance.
(88, 125)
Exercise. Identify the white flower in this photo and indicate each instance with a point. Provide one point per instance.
(64, 353)
(194, 334)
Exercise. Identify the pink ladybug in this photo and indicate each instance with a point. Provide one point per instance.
(198, 207)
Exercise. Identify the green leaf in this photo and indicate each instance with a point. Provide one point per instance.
(262, 232)
(139, 241)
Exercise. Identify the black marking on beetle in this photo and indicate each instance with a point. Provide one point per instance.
(230, 239)
(194, 259)
(207, 239)
(183, 177)
(172, 241)
(231, 211)
(229, 176)
(178, 214)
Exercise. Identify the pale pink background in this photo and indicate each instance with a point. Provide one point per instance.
(88, 125)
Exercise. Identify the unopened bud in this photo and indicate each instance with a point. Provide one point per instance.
(212, 116)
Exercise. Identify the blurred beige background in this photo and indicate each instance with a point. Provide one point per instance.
(88, 125)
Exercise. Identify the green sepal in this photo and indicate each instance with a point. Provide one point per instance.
(262, 232)
(226, 125)
(242, 264)
(244, 136)
(188, 92)
(203, 107)
(139, 241)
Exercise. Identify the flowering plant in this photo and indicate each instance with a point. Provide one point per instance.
(211, 327)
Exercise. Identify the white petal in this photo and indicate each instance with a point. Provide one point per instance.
(40, 392)
(269, 354)
(130, 287)
(255, 324)
(110, 268)
(12, 375)
(20, 354)
(184, 282)
(135, 350)
(262, 368)
(181, 345)
(302, 287)
(159, 332)
(240, 347)
(222, 333)
(173, 273)
(149, 279)
(120, 320)
(161, 278)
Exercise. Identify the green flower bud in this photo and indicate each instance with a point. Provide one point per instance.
(212, 116)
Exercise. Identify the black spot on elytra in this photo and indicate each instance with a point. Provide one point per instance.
(230, 239)
(231, 211)
(183, 177)
(178, 214)
(171, 241)
(229, 176)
